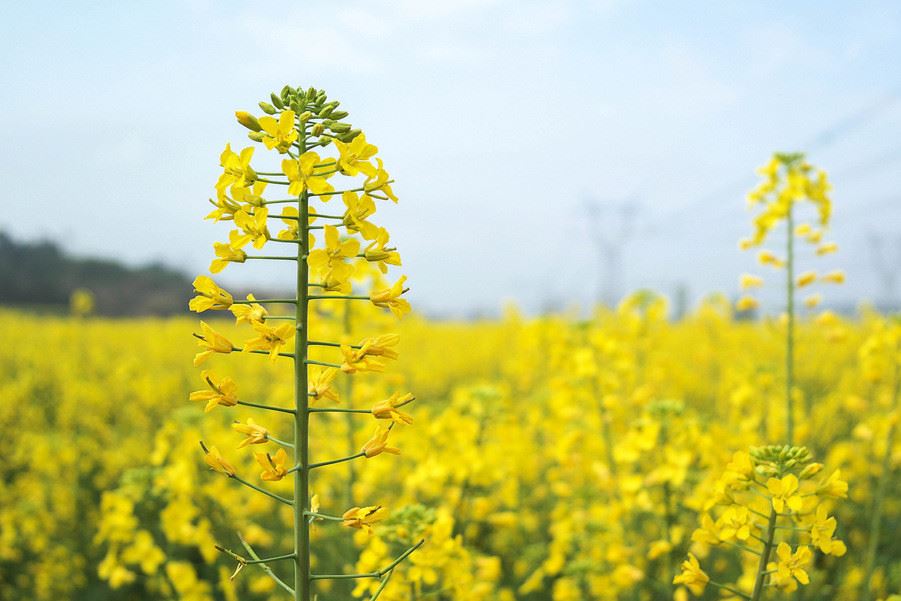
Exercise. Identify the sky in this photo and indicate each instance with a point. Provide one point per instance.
(502, 121)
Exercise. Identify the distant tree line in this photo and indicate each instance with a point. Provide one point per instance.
(41, 276)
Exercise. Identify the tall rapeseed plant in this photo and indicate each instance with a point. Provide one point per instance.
(297, 124)
(770, 503)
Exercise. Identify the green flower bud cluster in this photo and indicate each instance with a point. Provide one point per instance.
(777, 460)
(313, 104)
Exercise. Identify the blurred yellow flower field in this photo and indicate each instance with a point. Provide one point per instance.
(553, 458)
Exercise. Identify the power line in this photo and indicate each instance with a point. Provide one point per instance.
(824, 139)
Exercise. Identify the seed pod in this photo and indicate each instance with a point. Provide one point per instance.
(268, 108)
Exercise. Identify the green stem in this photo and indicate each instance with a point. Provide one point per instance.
(790, 335)
(336, 410)
(273, 258)
(760, 580)
(302, 576)
(350, 421)
(879, 498)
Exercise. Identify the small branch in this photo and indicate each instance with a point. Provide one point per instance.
(270, 258)
(280, 442)
(333, 344)
(340, 460)
(322, 363)
(266, 407)
(262, 490)
(337, 410)
(378, 574)
(265, 567)
(291, 301)
(337, 296)
(235, 349)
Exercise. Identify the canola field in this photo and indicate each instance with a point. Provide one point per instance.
(331, 444)
(552, 458)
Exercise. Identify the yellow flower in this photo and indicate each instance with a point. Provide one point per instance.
(376, 252)
(387, 408)
(227, 253)
(217, 462)
(274, 468)
(355, 156)
(255, 229)
(363, 518)
(766, 257)
(828, 247)
(378, 444)
(301, 174)
(249, 312)
(321, 384)
(359, 208)
(291, 232)
(212, 341)
(379, 181)
(807, 278)
(834, 277)
(707, 534)
(813, 301)
(750, 281)
(692, 576)
(390, 298)
(790, 566)
(209, 296)
(271, 339)
(279, 134)
(255, 433)
(735, 523)
(379, 346)
(327, 261)
(784, 492)
(747, 303)
(658, 548)
(821, 533)
(223, 392)
(363, 358)
(236, 169)
(834, 486)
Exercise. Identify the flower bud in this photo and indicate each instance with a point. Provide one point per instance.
(276, 101)
(256, 136)
(339, 114)
(340, 128)
(317, 129)
(350, 135)
(811, 470)
(268, 108)
(305, 116)
(248, 120)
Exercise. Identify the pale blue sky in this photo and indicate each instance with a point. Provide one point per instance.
(498, 118)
